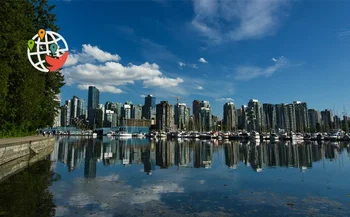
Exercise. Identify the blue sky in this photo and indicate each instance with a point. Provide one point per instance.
(272, 50)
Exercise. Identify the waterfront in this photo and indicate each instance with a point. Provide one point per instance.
(139, 177)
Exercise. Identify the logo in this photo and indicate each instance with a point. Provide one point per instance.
(47, 51)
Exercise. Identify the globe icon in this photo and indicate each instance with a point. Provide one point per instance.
(42, 49)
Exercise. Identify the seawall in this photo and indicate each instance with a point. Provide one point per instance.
(18, 153)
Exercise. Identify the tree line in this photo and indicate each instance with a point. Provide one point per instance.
(27, 96)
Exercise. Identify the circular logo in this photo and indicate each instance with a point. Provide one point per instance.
(47, 51)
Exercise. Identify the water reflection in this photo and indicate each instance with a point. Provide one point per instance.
(75, 152)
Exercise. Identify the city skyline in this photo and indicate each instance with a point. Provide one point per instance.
(164, 116)
(208, 53)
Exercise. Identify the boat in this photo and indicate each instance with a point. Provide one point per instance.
(94, 135)
(320, 136)
(139, 135)
(123, 134)
(225, 135)
(162, 135)
(254, 135)
(274, 137)
(110, 133)
(296, 136)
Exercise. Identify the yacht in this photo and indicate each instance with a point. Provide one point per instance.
(94, 135)
(123, 134)
(254, 135)
(225, 135)
(274, 137)
(110, 133)
(162, 135)
(297, 136)
(139, 135)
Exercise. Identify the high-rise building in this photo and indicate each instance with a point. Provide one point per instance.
(230, 116)
(314, 119)
(98, 117)
(196, 107)
(205, 117)
(289, 117)
(82, 109)
(164, 116)
(242, 117)
(327, 119)
(301, 116)
(269, 112)
(336, 122)
(149, 108)
(255, 115)
(136, 112)
(181, 116)
(64, 116)
(93, 101)
(118, 111)
(110, 119)
(74, 112)
(285, 117)
(127, 110)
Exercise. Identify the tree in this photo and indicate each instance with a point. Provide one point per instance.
(27, 96)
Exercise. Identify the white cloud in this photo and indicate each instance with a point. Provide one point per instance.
(202, 60)
(110, 74)
(273, 59)
(199, 87)
(110, 89)
(224, 99)
(194, 66)
(242, 20)
(99, 54)
(142, 95)
(250, 72)
(162, 82)
(181, 64)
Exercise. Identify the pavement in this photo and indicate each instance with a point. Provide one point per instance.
(7, 141)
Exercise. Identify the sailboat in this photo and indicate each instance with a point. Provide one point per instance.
(124, 133)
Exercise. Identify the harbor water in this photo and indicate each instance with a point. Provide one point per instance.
(141, 177)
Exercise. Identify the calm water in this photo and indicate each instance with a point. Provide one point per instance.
(138, 177)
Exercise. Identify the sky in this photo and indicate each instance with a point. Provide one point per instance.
(275, 51)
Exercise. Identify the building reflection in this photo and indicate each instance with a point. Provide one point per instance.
(75, 152)
(203, 154)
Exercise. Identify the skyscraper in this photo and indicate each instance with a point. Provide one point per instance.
(180, 116)
(255, 115)
(242, 117)
(127, 110)
(136, 112)
(149, 108)
(196, 107)
(314, 119)
(205, 117)
(327, 119)
(164, 116)
(93, 101)
(301, 116)
(230, 116)
(74, 112)
(289, 117)
(269, 112)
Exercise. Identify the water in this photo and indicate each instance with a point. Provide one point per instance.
(138, 177)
